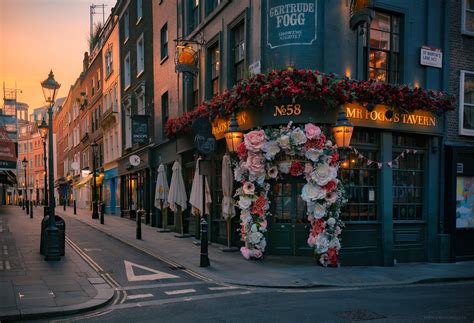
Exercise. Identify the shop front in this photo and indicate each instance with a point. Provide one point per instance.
(135, 181)
(111, 191)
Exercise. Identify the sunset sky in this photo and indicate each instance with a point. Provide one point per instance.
(39, 35)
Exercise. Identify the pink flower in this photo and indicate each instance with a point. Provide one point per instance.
(308, 168)
(263, 225)
(312, 131)
(245, 252)
(249, 188)
(311, 240)
(257, 253)
(255, 164)
(273, 172)
(254, 140)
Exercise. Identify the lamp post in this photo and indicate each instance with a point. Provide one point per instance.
(234, 135)
(342, 130)
(43, 130)
(50, 89)
(95, 213)
(25, 165)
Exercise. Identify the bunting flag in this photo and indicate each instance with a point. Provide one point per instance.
(389, 163)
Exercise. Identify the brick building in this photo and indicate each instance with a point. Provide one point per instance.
(460, 131)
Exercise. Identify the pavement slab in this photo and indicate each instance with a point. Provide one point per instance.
(32, 288)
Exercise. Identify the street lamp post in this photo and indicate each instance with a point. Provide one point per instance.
(25, 165)
(50, 89)
(43, 130)
(95, 213)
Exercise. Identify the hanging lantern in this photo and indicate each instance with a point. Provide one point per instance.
(343, 129)
(234, 135)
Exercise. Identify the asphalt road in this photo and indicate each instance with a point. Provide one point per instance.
(150, 290)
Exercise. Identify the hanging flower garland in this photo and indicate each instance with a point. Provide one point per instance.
(329, 89)
(270, 154)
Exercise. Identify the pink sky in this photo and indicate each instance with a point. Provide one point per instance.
(39, 35)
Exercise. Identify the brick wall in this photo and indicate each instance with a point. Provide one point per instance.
(461, 57)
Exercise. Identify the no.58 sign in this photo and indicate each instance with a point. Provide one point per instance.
(287, 110)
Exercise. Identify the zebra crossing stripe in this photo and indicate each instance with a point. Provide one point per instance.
(180, 291)
(223, 288)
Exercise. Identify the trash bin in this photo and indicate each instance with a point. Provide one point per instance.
(61, 225)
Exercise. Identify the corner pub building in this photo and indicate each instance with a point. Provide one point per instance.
(391, 175)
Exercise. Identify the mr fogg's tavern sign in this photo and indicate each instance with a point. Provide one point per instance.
(291, 23)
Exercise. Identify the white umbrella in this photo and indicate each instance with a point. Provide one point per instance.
(161, 196)
(162, 190)
(228, 209)
(177, 195)
(196, 193)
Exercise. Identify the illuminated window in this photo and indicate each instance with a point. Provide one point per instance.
(384, 52)
(467, 26)
(466, 103)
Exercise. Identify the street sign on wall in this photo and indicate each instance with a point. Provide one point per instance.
(430, 56)
(291, 23)
(7, 151)
(140, 129)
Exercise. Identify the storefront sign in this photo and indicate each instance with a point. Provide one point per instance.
(7, 151)
(421, 121)
(139, 129)
(291, 23)
(298, 111)
(219, 126)
(431, 57)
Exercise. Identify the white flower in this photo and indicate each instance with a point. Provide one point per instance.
(270, 148)
(335, 244)
(298, 136)
(313, 154)
(261, 244)
(284, 141)
(319, 211)
(255, 237)
(331, 221)
(323, 174)
(254, 228)
(312, 192)
(245, 216)
(322, 243)
(244, 202)
(284, 167)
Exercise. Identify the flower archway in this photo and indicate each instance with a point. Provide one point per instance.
(269, 154)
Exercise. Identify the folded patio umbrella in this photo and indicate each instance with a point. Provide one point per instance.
(177, 194)
(162, 189)
(197, 192)
(228, 209)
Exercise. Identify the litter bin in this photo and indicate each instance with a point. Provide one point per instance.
(61, 225)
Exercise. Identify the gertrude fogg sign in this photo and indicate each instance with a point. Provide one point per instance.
(291, 23)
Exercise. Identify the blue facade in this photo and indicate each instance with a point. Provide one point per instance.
(111, 191)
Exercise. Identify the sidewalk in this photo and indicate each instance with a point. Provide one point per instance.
(33, 288)
(273, 271)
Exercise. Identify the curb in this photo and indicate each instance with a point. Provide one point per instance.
(104, 295)
(202, 275)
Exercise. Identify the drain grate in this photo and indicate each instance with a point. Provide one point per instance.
(360, 315)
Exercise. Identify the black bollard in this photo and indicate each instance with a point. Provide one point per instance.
(102, 211)
(27, 207)
(139, 224)
(64, 205)
(204, 255)
(75, 211)
(31, 210)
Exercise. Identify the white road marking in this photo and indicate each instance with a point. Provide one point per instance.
(161, 285)
(139, 296)
(223, 288)
(180, 291)
(7, 265)
(156, 274)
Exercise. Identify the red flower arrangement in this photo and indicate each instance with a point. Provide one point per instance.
(330, 89)
(296, 169)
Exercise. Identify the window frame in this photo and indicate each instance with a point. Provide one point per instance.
(126, 26)
(462, 130)
(240, 24)
(140, 55)
(390, 52)
(464, 30)
(139, 11)
(127, 75)
(164, 53)
(165, 111)
(214, 45)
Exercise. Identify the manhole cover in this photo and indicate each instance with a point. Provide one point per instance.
(360, 315)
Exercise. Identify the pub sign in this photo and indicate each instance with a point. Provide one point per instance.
(140, 129)
(291, 23)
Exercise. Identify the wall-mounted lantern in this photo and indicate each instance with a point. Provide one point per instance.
(342, 130)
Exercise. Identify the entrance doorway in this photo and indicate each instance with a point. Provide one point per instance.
(288, 227)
